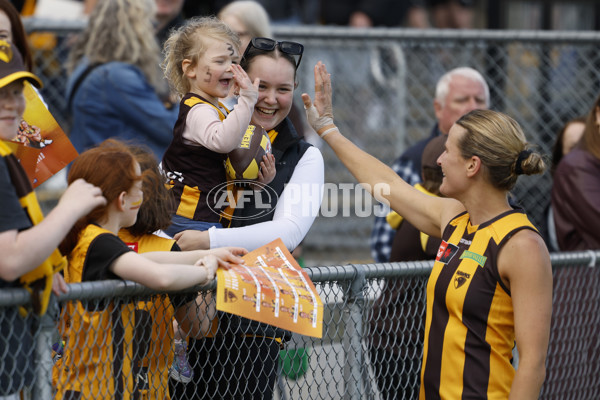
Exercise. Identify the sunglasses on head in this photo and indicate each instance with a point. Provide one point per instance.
(266, 44)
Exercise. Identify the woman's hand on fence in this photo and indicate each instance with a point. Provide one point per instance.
(229, 255)
(210, 263)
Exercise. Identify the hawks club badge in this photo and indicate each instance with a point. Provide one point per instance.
(446, 252)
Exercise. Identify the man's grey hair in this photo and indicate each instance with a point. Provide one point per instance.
(442, 87)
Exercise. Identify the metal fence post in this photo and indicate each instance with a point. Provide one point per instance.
(42, 389)
(352, 342)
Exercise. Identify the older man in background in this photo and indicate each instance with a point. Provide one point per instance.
(457, 92)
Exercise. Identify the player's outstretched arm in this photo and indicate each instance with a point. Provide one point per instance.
(427, 213)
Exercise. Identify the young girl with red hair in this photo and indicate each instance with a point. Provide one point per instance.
(101, 337)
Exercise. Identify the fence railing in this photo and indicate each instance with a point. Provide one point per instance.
(371, 344)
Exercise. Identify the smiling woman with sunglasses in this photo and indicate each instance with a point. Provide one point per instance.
(254, 348)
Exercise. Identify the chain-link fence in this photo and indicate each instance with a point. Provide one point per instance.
(114, 339)
(384, 81)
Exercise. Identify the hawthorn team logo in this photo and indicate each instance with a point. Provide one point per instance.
(460, 279)
(230, 296)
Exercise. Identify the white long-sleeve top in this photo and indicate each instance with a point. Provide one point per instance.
(294, 214)
(204, 127)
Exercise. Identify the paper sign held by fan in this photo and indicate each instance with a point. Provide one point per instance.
(271, 287)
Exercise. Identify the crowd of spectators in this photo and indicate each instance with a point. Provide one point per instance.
(357, 13)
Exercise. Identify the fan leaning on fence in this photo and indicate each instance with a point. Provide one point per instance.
(27, 241)
(491, 284)
(98, 350)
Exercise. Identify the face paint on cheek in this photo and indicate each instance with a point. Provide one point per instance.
(208, 75)
(136, 205)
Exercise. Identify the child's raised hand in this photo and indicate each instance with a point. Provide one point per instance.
(242, 79)
(267, 170)
(81, 198)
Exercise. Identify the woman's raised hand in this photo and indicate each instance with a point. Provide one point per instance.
(320, 114)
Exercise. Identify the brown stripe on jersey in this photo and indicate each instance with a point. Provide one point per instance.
(483, 308)
(477, 351)
(72, 395)
(475, 313)
(118, 337)
(437, 330)
(193, 170)
(142, 340)
(440, 317)
(18, 176)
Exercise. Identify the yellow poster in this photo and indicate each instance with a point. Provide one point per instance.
(271, 287)
(40, 144)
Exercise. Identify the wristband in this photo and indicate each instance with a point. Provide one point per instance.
(317, 122)
(322, 135)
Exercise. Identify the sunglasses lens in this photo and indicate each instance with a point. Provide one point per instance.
(291, 48)
(267, 44)
(264, 43)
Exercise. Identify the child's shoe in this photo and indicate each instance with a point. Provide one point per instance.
(181, 370)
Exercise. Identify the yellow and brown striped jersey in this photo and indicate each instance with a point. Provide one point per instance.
(469, 328)
(98, 358)
(193, 170)
(152, 370)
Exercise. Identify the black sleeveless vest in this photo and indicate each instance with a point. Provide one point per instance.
(288, 149)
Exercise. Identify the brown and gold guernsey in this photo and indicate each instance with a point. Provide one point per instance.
(97, 361)
(158, 313)
(469, 328)
(193, 170)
